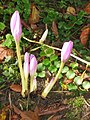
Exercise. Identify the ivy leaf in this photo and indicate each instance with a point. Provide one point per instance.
(41, 74)
(2, 26)
(46, 61)
(86, 85)
(78, 80)
(65, 69)
(41, 67)
(53, 57)
(70, 74)
(72, 87)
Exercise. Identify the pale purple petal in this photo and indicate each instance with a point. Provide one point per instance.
(26, 64)
(16, 27)
(26, 69)
(33, 64)
(66, 51)
(26, 57)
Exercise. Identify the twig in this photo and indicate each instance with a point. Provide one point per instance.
(86, 102)
(55, 48)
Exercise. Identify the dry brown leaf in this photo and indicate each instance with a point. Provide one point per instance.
(54, 28)
(68, 81)
(16, 88)
(3, 113)
(87, 8)
(3, 116)
(84, 35)
(27, 115)
(34, 27)
(71, 10)
(34, 16)
(4, 52)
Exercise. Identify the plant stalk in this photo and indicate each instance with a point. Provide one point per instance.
(51, 84)
(31, 84)
(20, 68)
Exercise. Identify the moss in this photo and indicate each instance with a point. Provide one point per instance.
(75, 111)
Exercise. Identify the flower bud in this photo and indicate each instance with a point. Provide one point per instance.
(43, 38)
(66, 51)
(26, 65)
(33, 65)
(16, 27)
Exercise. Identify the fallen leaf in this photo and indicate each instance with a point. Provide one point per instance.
(4, 52)
(34, 16)
(34, 26)
(87, 8)
(27, 115)
(54, 28)
(16, 88)
(67, 81)
(71, 10)
(3, 116)
(3, 113)
(85, 34)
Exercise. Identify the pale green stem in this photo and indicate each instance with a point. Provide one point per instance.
(49, 87)
(31, 83)
(20, 68)
(26, 83)
(76, 57)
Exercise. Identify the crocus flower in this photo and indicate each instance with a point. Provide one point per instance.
(33, 68)
(65, 54)
(16, 30)
(43, 38)
(26, 69)
(33, 65)
(16, 27)
(26, 65)
(66, 51)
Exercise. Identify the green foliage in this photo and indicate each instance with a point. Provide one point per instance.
(72, 87)
(2, 26)
(86, 85)
(70, 74)
(10, 70)
(65, 69)
(76, 106)
(78, 80)
(50, 62)
(9, 42)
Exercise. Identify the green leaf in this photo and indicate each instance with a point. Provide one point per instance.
(52, 69)
(70, 74)
(49, 52)
(72, 87)
(2, 26)
(74, 65)
(57, 64)
(78, 80)
(41, 67)
(86, 85)
(8, 41)
(60, 76)
(42, 53)
(46, 61)
(65, 69)
(53, 57)
(41, 74)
